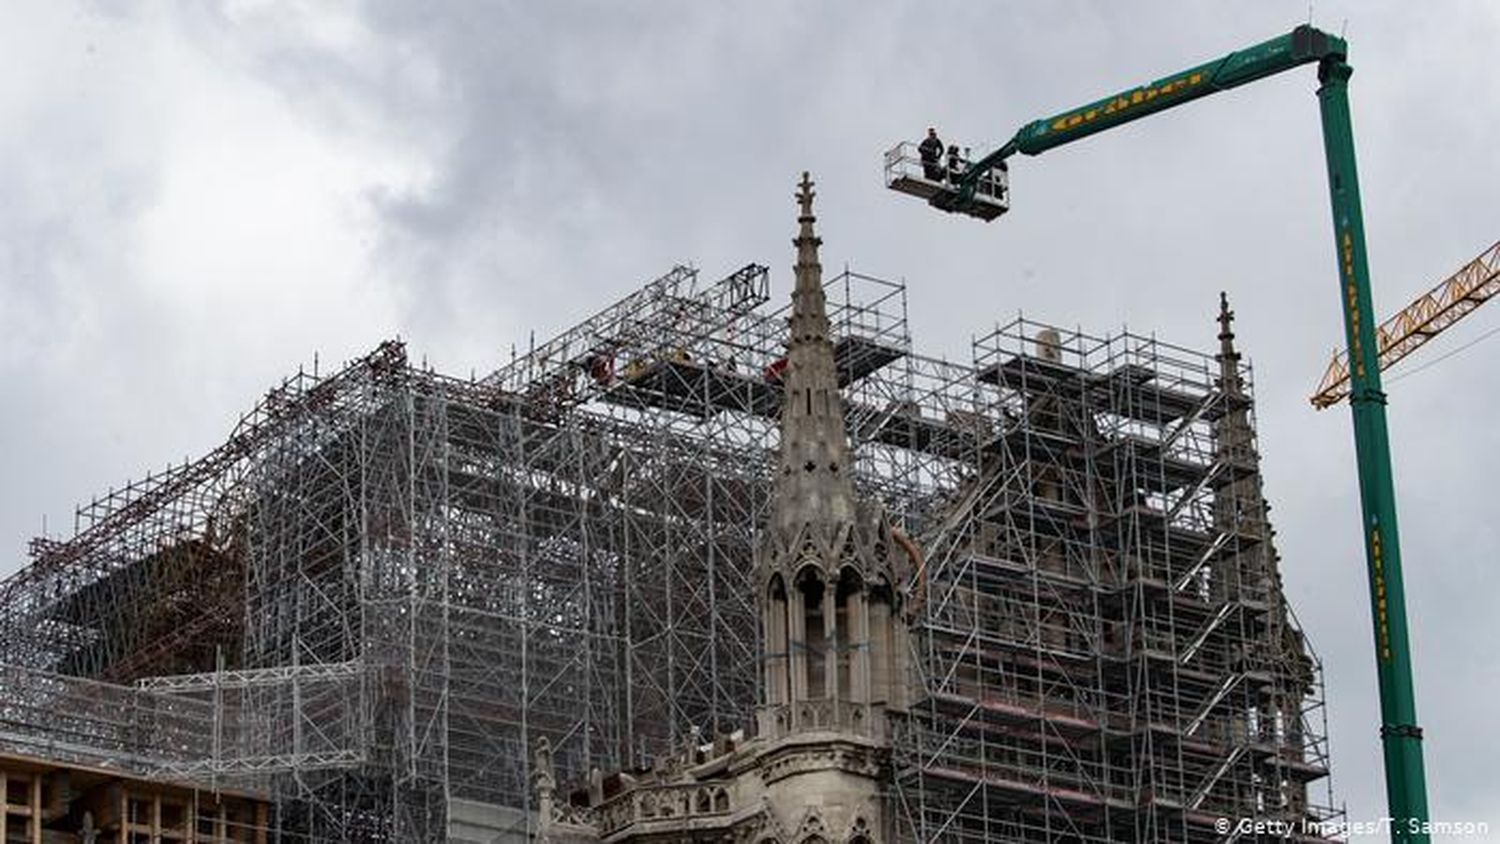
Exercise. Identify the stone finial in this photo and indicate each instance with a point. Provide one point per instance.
(542, 771)
(596, 786)
(1228, 356)
(88, 833)
(543, 757)
(544, 780)
(1226, 322)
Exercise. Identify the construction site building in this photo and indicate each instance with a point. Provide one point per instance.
(388, 588)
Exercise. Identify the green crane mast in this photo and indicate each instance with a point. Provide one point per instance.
(974, 192)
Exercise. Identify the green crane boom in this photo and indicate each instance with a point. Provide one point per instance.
(1406, 790)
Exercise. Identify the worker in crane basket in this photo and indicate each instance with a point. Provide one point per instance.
(931, 151)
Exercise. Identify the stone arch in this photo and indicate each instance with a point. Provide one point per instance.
(850, 574)
(810, 565)
(776, 586)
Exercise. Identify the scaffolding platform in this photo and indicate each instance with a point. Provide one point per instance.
(1128, 389)
(1154, 466)
(909, 429)
(855, 357)
(701, 388)
(695, 388)
(1016, 791)
(984, 568)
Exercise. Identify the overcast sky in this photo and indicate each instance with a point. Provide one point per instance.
(195, 199)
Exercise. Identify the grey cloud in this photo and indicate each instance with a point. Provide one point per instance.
(573, 150)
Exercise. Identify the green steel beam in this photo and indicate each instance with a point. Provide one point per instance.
(1302, 45)
(1405, 780)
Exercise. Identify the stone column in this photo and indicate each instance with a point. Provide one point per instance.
(899, 651)
(880, 645)
(859, 674)
(773, 621)
(797, 644)
(830, 639)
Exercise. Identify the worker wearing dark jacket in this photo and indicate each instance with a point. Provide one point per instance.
(931, 151)
(955, 164)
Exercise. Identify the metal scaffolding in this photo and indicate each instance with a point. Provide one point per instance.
(1107, 654)
(388, 584)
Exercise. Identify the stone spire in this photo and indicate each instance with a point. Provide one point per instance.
(829, 591)
(1240, 506)
(1232, 429)
(812, 485)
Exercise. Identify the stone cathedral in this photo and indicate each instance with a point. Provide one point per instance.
(835, 645)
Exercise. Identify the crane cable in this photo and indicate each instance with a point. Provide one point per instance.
(1444, 356)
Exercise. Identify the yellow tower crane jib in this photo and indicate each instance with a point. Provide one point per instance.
(1430, 315)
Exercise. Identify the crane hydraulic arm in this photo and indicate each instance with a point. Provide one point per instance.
(1406, 791)
(1303, 45)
